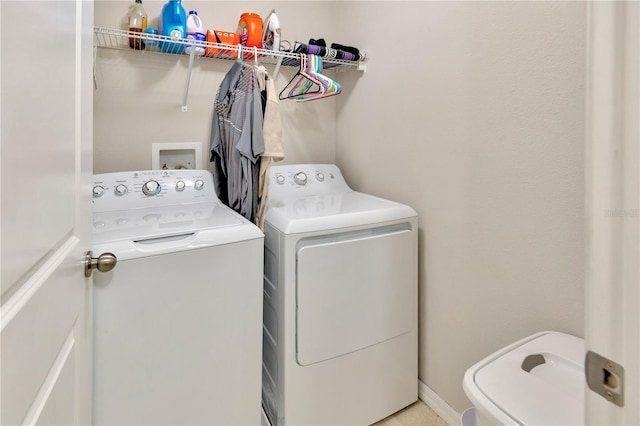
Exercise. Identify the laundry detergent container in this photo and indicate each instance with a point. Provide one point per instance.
(538, 380)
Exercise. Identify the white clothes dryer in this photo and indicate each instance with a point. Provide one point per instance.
(340, 301)
(177, 323)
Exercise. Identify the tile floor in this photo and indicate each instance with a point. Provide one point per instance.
(417, 414)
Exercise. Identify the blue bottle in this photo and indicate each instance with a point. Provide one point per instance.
(173, 23)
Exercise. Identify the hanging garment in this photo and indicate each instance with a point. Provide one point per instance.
(273, 146)
(237, 140)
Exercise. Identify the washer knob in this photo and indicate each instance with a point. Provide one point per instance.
(280, 179)
(320, 176)
(300, 178)
(198, 184)
(151, 188)
(180, 185)
(98, 191)
(120, 190)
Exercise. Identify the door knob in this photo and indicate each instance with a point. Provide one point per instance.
(103, 263)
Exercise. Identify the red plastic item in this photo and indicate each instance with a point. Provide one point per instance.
(219, 36)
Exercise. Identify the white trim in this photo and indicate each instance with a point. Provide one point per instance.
(437, 404)
(33, 284)
(49, 383)
(1, 151)
(78, 115)
(612, 298)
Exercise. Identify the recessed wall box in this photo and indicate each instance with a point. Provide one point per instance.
(177, 155)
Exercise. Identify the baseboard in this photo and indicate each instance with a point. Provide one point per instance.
(437, 404)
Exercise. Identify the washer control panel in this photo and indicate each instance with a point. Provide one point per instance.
(150, 188)
(305, 180)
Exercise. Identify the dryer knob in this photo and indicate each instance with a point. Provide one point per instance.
(180, 185)
(300, 178)
(199, 184)
(320, 176)
(151, 188)
(280, 179)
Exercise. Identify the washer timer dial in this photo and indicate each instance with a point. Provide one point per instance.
(151, 188)
(300, 178)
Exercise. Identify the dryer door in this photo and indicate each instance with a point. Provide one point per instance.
(354, 290)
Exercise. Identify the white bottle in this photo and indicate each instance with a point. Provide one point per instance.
(195, 31)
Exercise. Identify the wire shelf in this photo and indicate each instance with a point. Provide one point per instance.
(110, 38)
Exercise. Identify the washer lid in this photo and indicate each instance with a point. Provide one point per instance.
(536, 381)
(158, 222)
(332, 211)
(139, 233)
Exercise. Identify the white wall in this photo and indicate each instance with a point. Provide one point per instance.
(470, 112)
(473, 113)
(138, 98)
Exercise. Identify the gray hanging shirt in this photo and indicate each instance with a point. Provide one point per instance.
(237, 140)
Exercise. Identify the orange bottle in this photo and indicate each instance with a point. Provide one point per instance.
(250, 30)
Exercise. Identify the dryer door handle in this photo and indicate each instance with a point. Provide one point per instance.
(103, 263)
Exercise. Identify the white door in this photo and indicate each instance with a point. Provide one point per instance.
(45, 223)
(612, 327)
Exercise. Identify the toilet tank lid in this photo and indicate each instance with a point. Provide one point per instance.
(538, 380)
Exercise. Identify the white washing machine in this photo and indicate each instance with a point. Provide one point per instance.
(340, 301)
(178, 322)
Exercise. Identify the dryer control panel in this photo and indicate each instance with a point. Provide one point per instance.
(151, 188)
(306, 179)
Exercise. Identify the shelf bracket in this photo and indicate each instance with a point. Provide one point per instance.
(277, 69)
(192, 54)
(362, 63)
(95, 61)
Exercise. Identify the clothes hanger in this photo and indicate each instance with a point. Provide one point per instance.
(315, 70)
(329, 86)
(300, 83)
(240, 57)
(261, 71)
(309, 77)
(332, 87)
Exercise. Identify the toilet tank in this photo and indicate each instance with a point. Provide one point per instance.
(538, 380)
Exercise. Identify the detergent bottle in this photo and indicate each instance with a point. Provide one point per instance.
(173, 23)
(250, 30)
